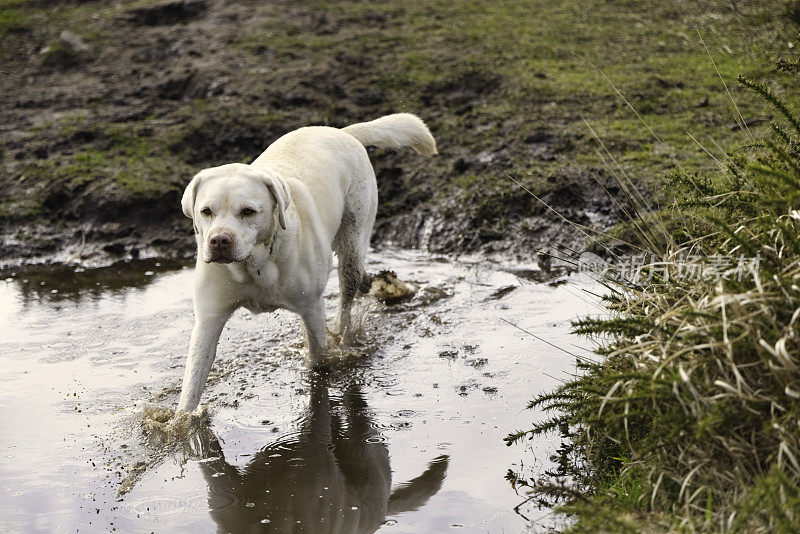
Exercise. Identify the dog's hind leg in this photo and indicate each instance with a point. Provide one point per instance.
(352, 239)
(352, 251)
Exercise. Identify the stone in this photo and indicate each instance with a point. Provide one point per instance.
(66, 51)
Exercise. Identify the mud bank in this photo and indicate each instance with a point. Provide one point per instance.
(164, 236)
(111, 109)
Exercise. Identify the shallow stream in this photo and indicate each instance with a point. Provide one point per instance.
(403, 435)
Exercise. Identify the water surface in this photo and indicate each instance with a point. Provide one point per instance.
(403, 435)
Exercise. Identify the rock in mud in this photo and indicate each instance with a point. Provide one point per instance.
(180, 86)
(389, 289)
(66, 51)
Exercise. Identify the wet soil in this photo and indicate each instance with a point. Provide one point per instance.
(97, 143)
(404, 432)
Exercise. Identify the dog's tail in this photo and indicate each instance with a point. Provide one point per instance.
(395, 131)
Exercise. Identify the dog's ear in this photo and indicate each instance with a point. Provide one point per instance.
(277, 186)
(190, 194)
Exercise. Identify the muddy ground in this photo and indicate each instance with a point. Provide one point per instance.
(173, 85)
(103, 126)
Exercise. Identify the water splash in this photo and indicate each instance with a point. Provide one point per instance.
(166, 432)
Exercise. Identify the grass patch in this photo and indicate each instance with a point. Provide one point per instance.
(484, 73)
(112, 155)
(689, 422)
(20, 209)
(11, 20)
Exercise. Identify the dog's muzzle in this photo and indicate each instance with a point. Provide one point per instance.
(220, 247)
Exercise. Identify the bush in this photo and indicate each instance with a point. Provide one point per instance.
(692, 420)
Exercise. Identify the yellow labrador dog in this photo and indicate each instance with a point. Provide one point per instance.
(266, 231)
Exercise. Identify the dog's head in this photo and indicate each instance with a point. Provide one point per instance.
(234, 207)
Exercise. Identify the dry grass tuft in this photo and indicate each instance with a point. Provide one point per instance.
(692, 421)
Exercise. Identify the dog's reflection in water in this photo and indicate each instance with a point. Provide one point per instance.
(334, 476)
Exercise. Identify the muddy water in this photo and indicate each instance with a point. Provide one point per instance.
(404, 434)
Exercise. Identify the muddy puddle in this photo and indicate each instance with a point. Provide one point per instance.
(404, 434)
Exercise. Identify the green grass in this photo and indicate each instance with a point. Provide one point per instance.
(90, 20)
(121, 155)
(11, 20)
(20, 209)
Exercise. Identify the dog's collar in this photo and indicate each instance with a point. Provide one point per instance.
(271, 248)
(274, 239)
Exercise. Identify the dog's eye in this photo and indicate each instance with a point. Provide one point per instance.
(206, 211)
(247, 212)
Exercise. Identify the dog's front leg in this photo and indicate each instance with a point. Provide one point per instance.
(314, 322)
(202, 351)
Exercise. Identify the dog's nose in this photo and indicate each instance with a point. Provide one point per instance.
(221, 242)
